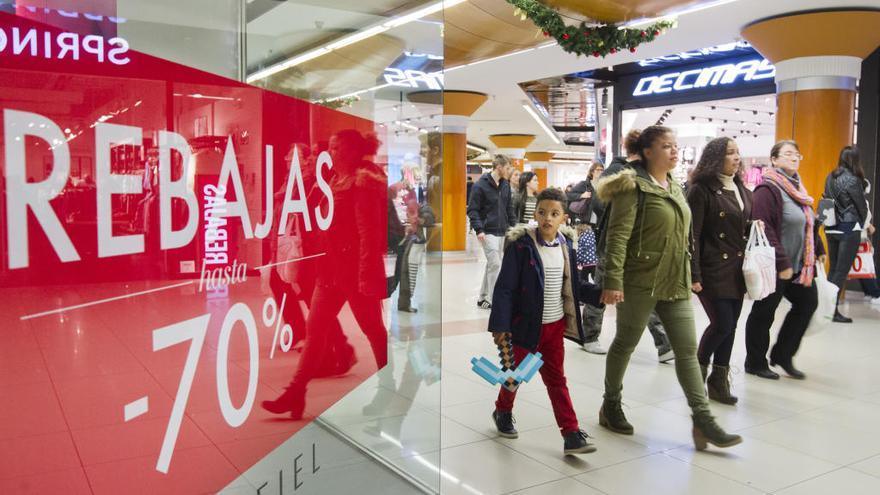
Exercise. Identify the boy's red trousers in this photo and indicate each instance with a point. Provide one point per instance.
(552, 372)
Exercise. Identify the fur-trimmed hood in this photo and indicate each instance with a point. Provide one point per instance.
(514, 233)
(612, 185)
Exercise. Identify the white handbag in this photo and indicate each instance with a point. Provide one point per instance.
(759, 265)
(827, 293)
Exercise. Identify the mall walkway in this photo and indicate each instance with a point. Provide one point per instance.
(817, 436)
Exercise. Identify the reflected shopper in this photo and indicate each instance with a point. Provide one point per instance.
(359, 188)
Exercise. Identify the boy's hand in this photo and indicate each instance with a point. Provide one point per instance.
(500, 337)
(612, 296)
(697, 287)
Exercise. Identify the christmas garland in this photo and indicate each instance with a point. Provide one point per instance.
(596, 40)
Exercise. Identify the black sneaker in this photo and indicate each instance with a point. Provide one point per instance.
(576, 443)
(504, 423)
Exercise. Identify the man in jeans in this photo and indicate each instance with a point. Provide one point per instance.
(490, 211)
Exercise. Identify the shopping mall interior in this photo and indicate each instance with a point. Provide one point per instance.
(300, 246)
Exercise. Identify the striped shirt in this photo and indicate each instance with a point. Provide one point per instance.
(529, 209)
(554, 264)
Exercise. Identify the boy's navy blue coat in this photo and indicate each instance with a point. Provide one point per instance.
(518, 300)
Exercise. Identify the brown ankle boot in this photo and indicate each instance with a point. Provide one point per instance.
(718, 384)
(707, 431)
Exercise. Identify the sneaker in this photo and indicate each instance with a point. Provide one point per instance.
(665, 357)
(875, 300)
(594, 348)
(504, 424)
(576, 443)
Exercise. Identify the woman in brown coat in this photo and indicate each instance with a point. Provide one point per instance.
(721, 207)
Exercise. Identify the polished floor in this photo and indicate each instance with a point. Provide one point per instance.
(817, 436)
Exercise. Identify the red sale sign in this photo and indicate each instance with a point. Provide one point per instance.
(190, 267)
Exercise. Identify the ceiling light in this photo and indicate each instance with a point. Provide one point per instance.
(541, 123)
(573, 153)
(572, 162)
(696, 8)
(476, 148)
(352, 38)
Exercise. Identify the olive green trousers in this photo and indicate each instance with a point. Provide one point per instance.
(678, 318)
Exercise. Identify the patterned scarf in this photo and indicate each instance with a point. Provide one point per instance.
(800, 195)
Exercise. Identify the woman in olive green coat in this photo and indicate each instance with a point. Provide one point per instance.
(647, 259)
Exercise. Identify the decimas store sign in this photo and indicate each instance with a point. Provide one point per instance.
(167, 240)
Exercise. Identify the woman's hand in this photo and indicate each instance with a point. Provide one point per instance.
(786, 274)
(611, 297)
(586, 195)
(821, 259)
(697, 287)
(871, 229)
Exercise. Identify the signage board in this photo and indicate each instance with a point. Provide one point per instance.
(168, 238)
(715, 75)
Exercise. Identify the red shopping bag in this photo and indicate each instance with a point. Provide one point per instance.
(863, 265)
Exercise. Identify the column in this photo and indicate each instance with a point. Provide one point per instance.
(450, 204)
(818, 57)
(539, 161)
(514, 146)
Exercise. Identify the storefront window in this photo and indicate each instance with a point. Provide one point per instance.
(198, 243)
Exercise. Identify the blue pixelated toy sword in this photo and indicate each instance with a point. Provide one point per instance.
(508, 376)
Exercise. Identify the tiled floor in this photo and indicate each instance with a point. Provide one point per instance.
(817, 436)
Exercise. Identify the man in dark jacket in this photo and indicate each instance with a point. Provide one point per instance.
(490, 210)
(592, 315)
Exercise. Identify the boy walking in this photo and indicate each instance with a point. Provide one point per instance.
(535, 306)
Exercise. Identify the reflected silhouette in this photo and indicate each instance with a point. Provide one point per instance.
(356, 236)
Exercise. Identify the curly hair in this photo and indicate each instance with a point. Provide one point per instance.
(647, 138)
(711, 162)
(631, 142)
(553, 194)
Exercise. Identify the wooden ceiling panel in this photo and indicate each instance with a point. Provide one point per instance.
(846, 32)
(480, 29)
(620, 10)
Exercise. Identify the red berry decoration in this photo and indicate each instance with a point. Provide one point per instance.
(546, 34)
(587, 32)
(644, 34)
(595, 54)
(656, 33)
(565, 36)
(632, 49)
(613, 51)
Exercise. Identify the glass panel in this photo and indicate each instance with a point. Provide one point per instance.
(197, 244)
(366, 59)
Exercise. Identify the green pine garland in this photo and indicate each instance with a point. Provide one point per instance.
(596, 40)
